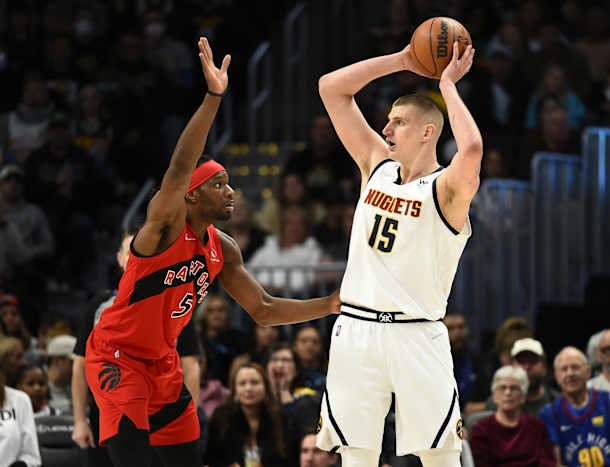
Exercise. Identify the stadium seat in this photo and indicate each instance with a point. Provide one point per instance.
(55, 441)
(471, 419)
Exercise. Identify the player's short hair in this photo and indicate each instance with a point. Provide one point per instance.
(428, 108)
(510, 372)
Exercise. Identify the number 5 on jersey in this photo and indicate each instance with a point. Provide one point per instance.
(388, 234)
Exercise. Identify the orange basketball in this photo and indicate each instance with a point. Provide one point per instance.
(432, 44)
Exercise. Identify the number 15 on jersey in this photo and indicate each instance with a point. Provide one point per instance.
(385, 243)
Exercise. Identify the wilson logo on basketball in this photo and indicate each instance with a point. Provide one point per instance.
(443, 41)
(110, 376)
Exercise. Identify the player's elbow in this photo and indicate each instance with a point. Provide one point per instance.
(473, 149)
(327, 86)
(261, 312)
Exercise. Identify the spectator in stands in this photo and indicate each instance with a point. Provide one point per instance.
(308, 346)
(323, 163)
(578, 420)
(260, 339)
(592, 351)
(12, 321)
(528, 354)
(59, 71)
(554, 83)
(52, 323)
(220, 342)
(242, 228)
(293, 247)
(65, 182)
(285, 374)
(173, 56)
(32, 380)
(60, 354)
(466, 365)
(13, 251)
(595, 45)
(312, 456)
(602, 380)
(290, 191)
(511, 330)
(23, 130)
(37, 239)
(11, 358)
(249, 429)
(509, 437)
(554, 135)
(94, 131)
(18, 439)
(28, 217)
(212, 393)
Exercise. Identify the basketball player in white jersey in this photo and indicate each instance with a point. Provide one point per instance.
(409, 230)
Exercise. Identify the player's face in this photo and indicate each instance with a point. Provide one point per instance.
(216, 197)
(249, 387)
(281, 365)
(403, 131)
(571, 372)
(11, 318)
(34, 384)
(508, 395)
(312, 456)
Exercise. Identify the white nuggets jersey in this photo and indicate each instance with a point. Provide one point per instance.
(403, 254)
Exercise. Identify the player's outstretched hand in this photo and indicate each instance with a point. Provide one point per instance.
(458, 67)
(216, 78)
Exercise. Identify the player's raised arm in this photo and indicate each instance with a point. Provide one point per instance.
(460, 182)
(265, 309)
(337, 90)
(166, 211)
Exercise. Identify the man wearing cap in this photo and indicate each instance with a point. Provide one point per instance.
(528, 354)
(60, 354)
(602, 381)
(131, 362)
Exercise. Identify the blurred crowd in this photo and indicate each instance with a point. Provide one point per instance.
(93, 98)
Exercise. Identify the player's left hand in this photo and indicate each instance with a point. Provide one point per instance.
(216, 78)
(335, 302)
(458, 66)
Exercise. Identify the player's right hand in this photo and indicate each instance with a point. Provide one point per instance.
(216, 78)
(82, 435)
(408, 62)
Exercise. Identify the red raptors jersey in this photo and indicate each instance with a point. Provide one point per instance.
(158, 293)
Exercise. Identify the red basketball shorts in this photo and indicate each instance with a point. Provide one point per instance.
(150, 392)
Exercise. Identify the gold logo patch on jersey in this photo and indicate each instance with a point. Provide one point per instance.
(598, 421)
(459, 428)
(319, 425)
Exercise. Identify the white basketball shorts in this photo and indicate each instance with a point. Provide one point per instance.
(374, 354)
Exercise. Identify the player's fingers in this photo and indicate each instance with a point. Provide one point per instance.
(225, 63)
(456, 52)
(208, 49)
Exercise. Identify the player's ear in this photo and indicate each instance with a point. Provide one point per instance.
(192, 196)
(429, 132)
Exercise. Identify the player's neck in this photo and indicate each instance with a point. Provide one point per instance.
(418, 168)
(199, 225)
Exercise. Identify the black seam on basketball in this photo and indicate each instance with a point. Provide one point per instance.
(418, 60)
(445, 422)
(431, 50)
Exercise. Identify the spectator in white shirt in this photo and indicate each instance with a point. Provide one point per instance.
(292, 248)
(18, 439)
(602, 380)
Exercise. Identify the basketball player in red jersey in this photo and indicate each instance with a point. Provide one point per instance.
(132, 365)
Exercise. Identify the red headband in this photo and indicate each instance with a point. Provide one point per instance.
(204, 172)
